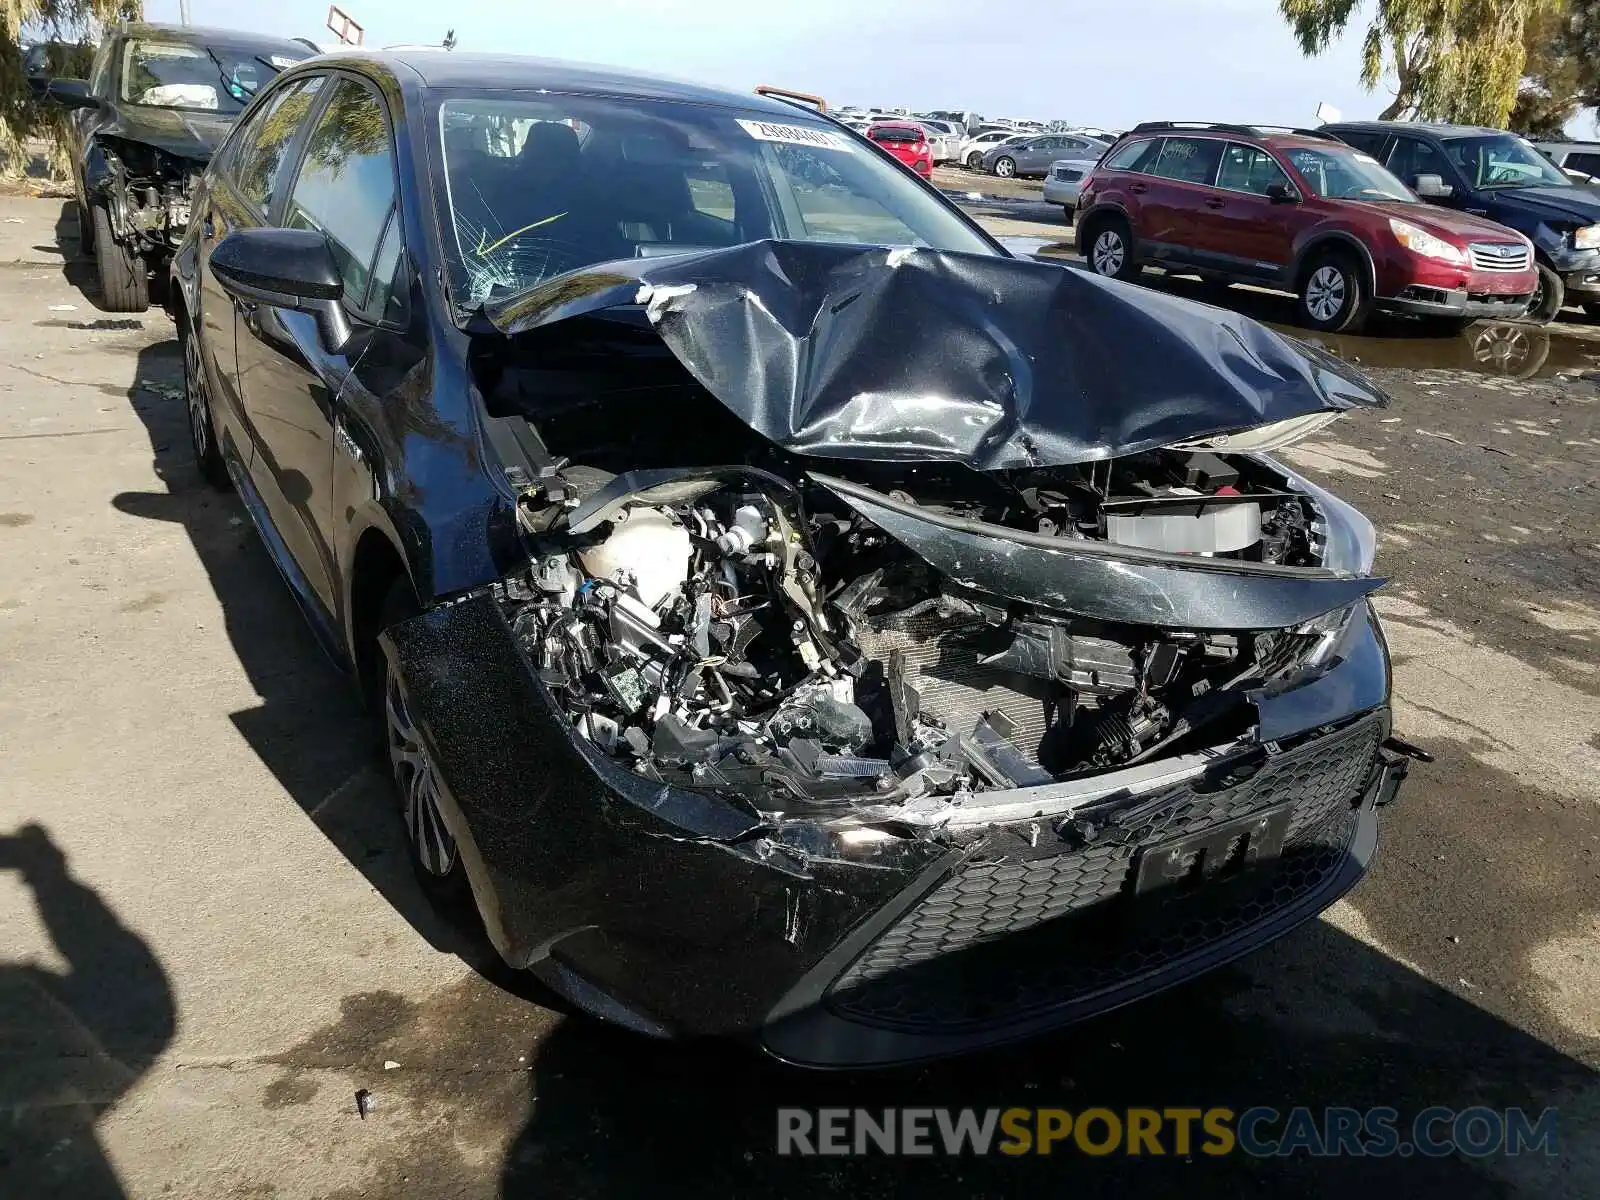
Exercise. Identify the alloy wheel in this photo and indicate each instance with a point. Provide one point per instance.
(1109, 253)
(1325, 293)
(194, 394)
(419, 786)
(1005, 168)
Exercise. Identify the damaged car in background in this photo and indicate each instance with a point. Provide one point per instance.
(158, 100)
(791, 616)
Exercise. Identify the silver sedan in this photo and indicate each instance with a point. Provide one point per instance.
(1063, 182)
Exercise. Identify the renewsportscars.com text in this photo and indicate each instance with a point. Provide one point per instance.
(1260, 1131)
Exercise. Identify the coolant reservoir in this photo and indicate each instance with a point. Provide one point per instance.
(1217, 530)
(647, 546)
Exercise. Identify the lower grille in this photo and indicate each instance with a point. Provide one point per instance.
(1000, 939)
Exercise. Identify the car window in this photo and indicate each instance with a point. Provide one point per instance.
(1589, 164)
(1249, 169)
(1337, 172)
(389, 297)
(1411, 157)
(1188, 160)
(211, 76)
(1503, 160)
(541, 185)
(1365, 140)
(1135, 156)
(261, 151)
(345, 188)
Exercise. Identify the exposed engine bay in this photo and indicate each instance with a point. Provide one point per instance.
(148, 192)
(726, 628)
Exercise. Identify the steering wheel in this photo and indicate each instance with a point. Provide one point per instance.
(1504, 173)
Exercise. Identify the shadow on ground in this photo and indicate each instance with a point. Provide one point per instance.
(73, 1041)
(308, 728)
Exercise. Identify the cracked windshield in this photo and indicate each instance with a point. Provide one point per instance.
(211, 78)
(536, 189)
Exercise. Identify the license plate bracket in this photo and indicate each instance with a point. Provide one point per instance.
(1213, 853)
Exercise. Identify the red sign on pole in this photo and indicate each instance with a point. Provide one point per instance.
(344, 27)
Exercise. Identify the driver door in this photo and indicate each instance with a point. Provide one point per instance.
(1411, 157)
(289, 383)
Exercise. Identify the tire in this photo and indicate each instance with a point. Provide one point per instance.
(435, 857)
(85, 226)
(197, 398)
(1110, 249)
(975, 161)
(124, 283)
(1333, 295)
(1069, 211)
(1547, 301)
(1005, 166)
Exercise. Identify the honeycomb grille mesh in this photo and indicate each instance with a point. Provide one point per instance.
(962, 954)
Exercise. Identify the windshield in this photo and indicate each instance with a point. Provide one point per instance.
(217, 77)
(1503, 161)
(1336, 174)
(537, 187)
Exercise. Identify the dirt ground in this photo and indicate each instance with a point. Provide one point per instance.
(209, 938)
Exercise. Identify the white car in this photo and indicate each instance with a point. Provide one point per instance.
(944, 137)
(974, 148)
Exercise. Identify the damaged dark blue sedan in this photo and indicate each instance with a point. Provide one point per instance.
(792, 617)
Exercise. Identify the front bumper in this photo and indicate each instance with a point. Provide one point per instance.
(1426, 301)
(1058, 191)
(1580, 273)
(686, 913)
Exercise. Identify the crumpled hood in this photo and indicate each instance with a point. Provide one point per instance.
(191, 135)
(926, 355)
(1564, 203)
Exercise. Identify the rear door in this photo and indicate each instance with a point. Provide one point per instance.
(1241, 229)
(289, 381)
(1180, 182)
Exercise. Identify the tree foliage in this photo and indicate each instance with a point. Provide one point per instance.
(1562, 73)
(71, 23)
(1450, 60)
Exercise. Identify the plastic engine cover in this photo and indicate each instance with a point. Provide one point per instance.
(1216, 531)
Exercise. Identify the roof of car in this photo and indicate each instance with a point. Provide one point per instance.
(451, 69)
(204, 33)
(1438, 129)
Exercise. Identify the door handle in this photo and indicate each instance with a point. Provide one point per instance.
(1216, 203)
(1139, 189)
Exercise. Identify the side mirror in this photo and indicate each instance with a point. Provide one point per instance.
(286, 268)
(70, 93)
(1432, 187)
(1281, 193)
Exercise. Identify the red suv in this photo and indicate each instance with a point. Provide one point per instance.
(1302, 211)
(905, 141)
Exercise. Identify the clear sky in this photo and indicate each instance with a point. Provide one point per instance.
(1109, 63)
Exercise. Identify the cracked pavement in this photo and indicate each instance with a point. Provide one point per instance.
(209, 937)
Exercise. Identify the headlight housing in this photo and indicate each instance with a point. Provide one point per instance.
(1420, 241)
(1348, 544)
(1587, 238)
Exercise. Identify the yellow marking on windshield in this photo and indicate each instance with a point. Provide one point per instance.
(484, 250)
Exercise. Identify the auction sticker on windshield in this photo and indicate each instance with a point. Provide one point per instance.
(795, 135)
